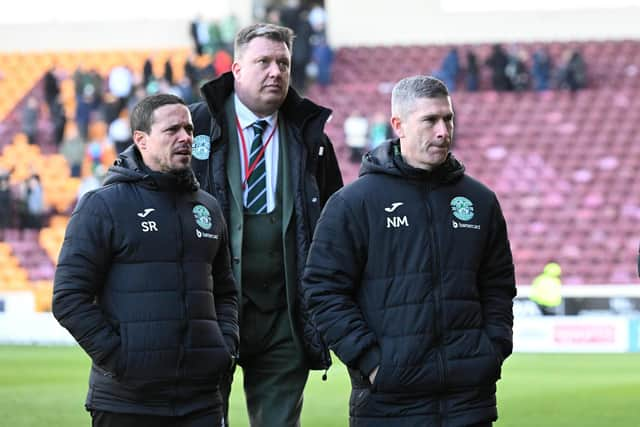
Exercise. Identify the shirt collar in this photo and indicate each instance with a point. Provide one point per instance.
(246, 117)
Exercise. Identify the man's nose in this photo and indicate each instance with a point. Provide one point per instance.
(274, 69)
(442, 130)
(185, 134)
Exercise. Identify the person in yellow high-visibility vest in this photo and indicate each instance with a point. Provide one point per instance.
(545, 289)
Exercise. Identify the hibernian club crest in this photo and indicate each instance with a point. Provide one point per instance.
(202, 216)
(462, 208)
(201, 147)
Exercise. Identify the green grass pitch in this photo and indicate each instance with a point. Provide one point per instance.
(46, 386)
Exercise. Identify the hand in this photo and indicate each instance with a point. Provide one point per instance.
(372, 375)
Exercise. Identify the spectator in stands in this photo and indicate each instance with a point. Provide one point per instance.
(94, 153)
(84, 107)
(498, 61)
(58, 119)
(30, 118)
(228, 30)
(110, 108)
(80, 80)
(318, 19)
(272, 15)
(472, 76)
(51, 86)
(6, 204)
(147, 71)
(35, 202)
(448, 71)
(73, 150)
(121, 84)
(91, 182)
(301, 54)
(20, 205)
(119, 134)
(215, 42)
(191, 70)
(573, 71)
(168, 72)
(293, 16)
(379, 131)
(541, 70)
(151, 224)
(356, 128)
(517, 71)
(222, 61)
(323, 59)
(139, 93)
(296, 173)
(290, 14)
(410, 277)
(194, 33)
(546, 289)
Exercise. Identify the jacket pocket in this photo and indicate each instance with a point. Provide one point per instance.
(494, 370)
(121, 367)
(382, 382)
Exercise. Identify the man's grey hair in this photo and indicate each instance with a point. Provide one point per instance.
(272, 32)
(407, 90)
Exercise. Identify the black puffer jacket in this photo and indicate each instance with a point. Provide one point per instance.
(411, 271)
(315, 176)
(144, 284)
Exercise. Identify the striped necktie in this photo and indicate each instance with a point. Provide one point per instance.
(257, 181)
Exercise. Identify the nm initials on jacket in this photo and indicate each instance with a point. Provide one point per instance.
(397, 221)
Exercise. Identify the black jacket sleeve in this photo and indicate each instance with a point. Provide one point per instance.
(497, 284)
(82, 267)
(225, 292)
(330, 282)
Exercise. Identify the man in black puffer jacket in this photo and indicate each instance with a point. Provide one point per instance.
(410, 277)
(144, 282)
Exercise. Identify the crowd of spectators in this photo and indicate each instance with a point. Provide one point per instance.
(514, 70)
(107, 99)
(22, 206)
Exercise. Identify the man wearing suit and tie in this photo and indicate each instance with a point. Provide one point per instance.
(260, 149)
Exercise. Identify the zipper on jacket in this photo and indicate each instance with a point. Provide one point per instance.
(437, 294)
(184, 325)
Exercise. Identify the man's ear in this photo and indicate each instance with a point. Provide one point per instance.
(235, 70)
(140, 139)
(396, 124)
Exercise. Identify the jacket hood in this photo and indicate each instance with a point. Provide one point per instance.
(129, 167)
(387, 159)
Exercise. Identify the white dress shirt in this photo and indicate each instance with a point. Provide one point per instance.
(246, 118)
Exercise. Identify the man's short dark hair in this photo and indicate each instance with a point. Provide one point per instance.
(142, 114)
(272, 32)
(407, 90)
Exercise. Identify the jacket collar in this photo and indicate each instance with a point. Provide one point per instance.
(295, 108)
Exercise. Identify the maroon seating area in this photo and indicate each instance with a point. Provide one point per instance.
(564, 165)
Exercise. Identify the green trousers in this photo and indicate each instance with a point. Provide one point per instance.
(274, 368)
